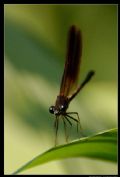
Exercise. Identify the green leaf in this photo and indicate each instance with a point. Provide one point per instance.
(100, 146)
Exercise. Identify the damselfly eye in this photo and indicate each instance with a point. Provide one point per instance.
(51, 109)
(63, 108)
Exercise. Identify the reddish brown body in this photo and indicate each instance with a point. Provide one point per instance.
(69, 88)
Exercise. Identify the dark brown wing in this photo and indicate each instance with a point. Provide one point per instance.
(72, 63)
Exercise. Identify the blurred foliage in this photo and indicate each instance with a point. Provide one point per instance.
(35, 46)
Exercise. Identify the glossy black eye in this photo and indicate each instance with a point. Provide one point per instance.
(51, 109)
(62, 108)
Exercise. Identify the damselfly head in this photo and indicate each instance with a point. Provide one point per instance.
(57, 110)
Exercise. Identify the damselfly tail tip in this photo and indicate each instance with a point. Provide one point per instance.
(92, 72)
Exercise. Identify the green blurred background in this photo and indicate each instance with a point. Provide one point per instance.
(35, 50)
